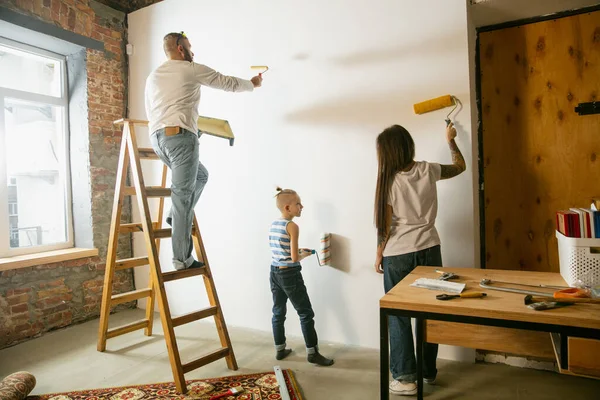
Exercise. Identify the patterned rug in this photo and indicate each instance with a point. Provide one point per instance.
(261, 386)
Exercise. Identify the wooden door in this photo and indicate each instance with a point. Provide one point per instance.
(539, 155)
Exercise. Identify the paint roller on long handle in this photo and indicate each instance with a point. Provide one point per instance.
(264, 69)
(436, 104)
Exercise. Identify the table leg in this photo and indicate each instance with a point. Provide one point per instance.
(384, 354)
(564, 351)
(420, 343)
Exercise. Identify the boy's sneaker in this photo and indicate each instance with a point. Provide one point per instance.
(281, 354)
(403, 389)
(317, 358)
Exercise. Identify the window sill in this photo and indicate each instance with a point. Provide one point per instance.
(47, 257)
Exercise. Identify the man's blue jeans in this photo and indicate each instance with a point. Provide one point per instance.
(287, 283)
(403, 364)
(188, 178)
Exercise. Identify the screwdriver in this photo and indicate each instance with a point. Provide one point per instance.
(468, 295)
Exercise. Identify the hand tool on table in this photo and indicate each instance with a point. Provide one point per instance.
(446, 275)
(543, 303)
(565, 292)
(468, 295)
(547, 305)
(567, 300)
(571, 293)
(529, 285)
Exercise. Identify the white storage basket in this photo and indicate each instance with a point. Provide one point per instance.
(579, 259)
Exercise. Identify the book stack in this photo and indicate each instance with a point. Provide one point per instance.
(579, 222)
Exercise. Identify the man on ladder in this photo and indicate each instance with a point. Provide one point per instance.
(172, 100)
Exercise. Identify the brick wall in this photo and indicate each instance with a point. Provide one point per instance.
(41, 298)
(45, 297)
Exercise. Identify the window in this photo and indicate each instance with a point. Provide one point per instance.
(35, 197)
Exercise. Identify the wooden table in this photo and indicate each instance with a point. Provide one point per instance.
(500, 309)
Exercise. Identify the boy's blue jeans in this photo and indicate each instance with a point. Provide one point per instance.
(403, 364)
(287, 283)
(188, 177)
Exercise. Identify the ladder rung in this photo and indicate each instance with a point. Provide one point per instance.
(147, 153)
(151, 191)
(162, 233)
(121, 330)
(182, 274)
(133, 121)
(166, 233)
(130, 263)
(206, 359)
(194, 316)
(137, 227)
(130, 228)
(130, 296)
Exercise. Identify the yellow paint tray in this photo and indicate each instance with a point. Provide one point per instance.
(216, 127)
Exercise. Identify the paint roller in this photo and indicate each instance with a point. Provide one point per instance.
(263, 68)
(325, 250)
(436, 104)
(324, 254)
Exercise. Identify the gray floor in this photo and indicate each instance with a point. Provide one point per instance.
(67, 360)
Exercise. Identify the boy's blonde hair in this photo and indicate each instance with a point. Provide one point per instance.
(284, 197)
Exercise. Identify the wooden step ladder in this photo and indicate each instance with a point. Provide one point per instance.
(130, 156)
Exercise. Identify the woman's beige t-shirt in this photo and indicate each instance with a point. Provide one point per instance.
(413, 197)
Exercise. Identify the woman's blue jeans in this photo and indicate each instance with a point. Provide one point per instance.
(403, 364)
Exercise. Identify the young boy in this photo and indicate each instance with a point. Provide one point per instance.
(286, 279)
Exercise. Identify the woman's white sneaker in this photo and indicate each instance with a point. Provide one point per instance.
(403, 389)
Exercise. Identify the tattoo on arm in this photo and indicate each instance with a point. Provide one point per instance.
(458, 163)
(382, 240)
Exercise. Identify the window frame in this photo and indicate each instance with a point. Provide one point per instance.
(62, 102)
(12, 213)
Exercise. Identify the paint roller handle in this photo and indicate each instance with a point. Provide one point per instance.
(303, 253)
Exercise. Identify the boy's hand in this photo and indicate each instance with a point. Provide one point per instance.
(304, 253)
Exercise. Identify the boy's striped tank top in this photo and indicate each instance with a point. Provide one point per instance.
(280, 244)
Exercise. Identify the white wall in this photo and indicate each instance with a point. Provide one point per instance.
(340, 73)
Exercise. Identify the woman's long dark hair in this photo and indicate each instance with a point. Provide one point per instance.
(395, 152)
